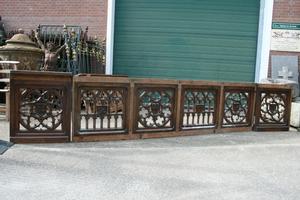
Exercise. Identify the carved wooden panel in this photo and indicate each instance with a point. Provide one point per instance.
(199, 108)
(237, 107)
(40, 106)
(155, 109)
(41, 109)
(102, 109)
(273, 109)
(116, 108)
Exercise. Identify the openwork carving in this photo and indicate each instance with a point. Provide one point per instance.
(103, 109)
(41, 109)
(236, 108)
(199, 108)
(155, 108)
(273, 108)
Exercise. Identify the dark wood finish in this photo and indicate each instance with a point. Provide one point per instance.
(41, 106)
(273, 107)
(101, 106)
(118, 108)
(221, 107)
(199, 107)
(131, 108)
(40, 139)
(155, 107)
(237, 106)
(179, 105)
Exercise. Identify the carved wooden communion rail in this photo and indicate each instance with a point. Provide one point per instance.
(119, 108)
(40, 106)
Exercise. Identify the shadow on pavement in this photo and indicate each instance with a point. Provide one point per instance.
(4, 146)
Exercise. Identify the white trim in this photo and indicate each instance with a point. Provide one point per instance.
(110, 36)
(264, 40)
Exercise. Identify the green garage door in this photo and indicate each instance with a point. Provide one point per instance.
(191, 39)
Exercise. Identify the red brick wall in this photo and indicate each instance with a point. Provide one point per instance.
(28, 14)
(285, 11)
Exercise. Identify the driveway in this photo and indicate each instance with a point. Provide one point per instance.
(227, 166)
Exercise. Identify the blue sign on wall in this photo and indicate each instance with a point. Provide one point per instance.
(287, 26)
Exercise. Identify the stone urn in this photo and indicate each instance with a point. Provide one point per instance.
(21, 48)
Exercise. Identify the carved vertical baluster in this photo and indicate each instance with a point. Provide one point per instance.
(116, 120)
(94, 121)
(193, 118)
(101, 122)
(116, 111)
(210, 107)
(198, 118)
(122, 117)
(203, 118)
(208, 117)
(86, 122)
(108, 121)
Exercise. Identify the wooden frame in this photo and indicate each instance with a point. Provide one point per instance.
(284, 90)
(37, 81)
(239, 88)
(155, 87)
(199, 87)
(93, 82)
(131, 105)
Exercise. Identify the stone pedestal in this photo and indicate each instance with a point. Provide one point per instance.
(295, 115)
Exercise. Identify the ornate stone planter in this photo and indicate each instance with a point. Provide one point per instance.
(21, 48)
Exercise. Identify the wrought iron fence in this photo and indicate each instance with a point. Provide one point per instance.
(115, 108)
(83, 54)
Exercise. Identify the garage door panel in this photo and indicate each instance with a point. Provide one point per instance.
(193, 39)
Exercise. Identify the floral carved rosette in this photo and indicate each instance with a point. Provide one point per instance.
(273, 108)
(236, 108)
(41, 109)
(155, 108)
